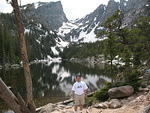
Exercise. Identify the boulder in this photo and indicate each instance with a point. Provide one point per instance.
(115, 103)
(120, 92)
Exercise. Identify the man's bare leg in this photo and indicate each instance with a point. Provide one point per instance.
(75, 108)
(81, 107)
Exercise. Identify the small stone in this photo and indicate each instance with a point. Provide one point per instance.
(124, 101)
(144, 89)
(115, 103)
(68, 107)
(103, 105)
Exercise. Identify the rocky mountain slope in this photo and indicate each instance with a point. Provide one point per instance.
(43, 43)
(84, 29)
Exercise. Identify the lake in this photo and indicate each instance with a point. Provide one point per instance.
(52, 82)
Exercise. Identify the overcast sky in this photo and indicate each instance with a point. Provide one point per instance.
(73, 8)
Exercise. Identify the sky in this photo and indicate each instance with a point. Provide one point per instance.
(72, 8)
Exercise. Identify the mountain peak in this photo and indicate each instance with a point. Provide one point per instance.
(50, 14)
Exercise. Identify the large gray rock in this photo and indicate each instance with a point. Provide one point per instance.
(120, 92)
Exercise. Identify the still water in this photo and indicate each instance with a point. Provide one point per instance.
(52, 82)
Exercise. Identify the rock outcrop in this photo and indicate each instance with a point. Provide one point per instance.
(50, 14)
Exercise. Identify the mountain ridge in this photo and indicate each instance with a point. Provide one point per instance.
(90, 24)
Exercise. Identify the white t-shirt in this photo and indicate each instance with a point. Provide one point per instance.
(79, 87)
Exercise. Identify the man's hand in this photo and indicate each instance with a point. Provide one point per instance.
(85, 93)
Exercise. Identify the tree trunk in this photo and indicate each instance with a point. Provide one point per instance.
(24, 57)
(3, 48)
(17, 104)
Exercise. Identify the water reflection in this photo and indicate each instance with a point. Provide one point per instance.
(52, 82)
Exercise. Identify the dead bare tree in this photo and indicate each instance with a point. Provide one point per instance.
(17, 103)
(23, 50)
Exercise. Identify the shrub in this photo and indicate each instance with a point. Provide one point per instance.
(102, 94)
(132, 78)
(89, 101)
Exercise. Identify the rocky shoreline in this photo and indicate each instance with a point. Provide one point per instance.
(130, 104)
(90, 61)
(16, 66)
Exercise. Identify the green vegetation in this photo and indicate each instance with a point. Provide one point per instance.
(38, 44)
(9, 51)
(82, 50)
(102, 94)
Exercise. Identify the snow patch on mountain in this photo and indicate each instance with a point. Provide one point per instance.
(54, 50)
(60, 45)
(66, 28)
(85, 37)
(37, 4)
(117, 0)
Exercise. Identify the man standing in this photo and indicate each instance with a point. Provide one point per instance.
(79, 91)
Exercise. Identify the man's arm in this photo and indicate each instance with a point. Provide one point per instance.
(73, 91)
(73, 94)
(85, 89)
(86, 92)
